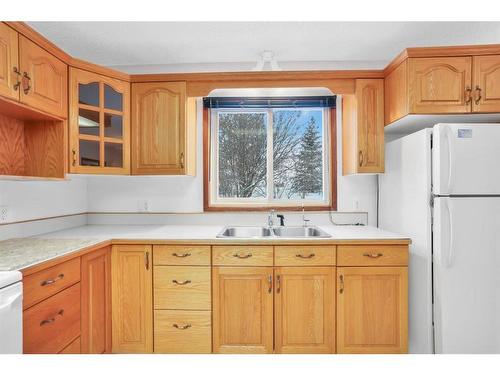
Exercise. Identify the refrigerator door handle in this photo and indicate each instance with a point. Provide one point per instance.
(449, 255)
(448, 135)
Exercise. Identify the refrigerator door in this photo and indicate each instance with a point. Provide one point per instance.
(467, 274)
(404, 196)
(465, 159)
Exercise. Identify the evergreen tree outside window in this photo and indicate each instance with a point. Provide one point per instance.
(274, 157)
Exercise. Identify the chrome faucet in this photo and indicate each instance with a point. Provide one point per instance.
(304, 220)
(270, 219)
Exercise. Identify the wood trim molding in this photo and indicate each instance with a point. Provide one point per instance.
(50, 47)
(206, 173)
(443, 51)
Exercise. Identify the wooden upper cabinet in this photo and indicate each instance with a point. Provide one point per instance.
(161, 133)
(99, 120)
(372, 309)
(242, 310)
(96, 302)
(9, 62)
(363, 128)
(440, 85)
(486, 84)
(44, 81)
(305, 310)
(132, 299)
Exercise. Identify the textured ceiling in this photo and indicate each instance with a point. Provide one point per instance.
(216, 46)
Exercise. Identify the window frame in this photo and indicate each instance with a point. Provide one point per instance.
(210, 173)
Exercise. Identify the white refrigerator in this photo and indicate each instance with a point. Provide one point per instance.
(442, 189)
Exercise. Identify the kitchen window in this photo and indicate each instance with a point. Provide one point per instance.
(271, 153)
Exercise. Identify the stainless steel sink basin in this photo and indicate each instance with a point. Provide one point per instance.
(263, 232)
(245, 232)
(300, 232)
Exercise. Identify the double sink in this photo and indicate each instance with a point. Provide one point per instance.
(276, 232)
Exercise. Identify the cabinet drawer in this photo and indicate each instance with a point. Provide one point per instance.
(51, 325)
(46, 283)
(182, 332)
(170, 255)
(73, 348)
(304, 255)
(182, 287)
(372, 255)
(242, 255)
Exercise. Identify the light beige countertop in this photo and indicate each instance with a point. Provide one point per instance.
(21, 253)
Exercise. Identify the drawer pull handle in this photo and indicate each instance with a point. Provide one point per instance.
(278, 283)
(312, 255)
(373, 255)
(27, 88)
(242, 256)
(181, 282)
(18, 82)
(341, 290)
(270, 281)
(52, 281)
(181, 255)
(175, 325)
(52, 320)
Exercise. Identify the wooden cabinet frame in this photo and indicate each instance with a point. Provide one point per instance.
(78, 76)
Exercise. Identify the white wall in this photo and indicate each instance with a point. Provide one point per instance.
(185, 194)
(28, 200)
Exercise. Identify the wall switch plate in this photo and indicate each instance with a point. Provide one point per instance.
(4, 214)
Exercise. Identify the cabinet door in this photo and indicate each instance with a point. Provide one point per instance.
(486, 88)
(45, 79)
(158, 128)
(440, 85)
(242, 310)
(372, 310)
(370, 125)
(9, 63)
(96, 302)
(132, 305)
(305, 310)
(98, 124)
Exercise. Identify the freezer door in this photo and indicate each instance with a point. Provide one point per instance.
(465, 159)
(466, 261)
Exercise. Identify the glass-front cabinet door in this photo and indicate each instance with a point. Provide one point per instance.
(99, 124)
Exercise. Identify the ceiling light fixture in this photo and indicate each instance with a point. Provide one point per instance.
(267, 62)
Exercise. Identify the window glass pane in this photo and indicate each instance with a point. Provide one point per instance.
(113, 155)
(88, 93)
(242, 154)
(88, 122)
(298, 154)
(112, 98)
(89, 153)
(112, 125)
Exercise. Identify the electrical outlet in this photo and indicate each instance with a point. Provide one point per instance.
(143, 205)
(4, 214)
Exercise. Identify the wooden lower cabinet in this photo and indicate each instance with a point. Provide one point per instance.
(132, 299)
(96, 302)
(73, 348)
(305, 310)
(182, 331)
(51, 325)
(243, 309)
(372, 309)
